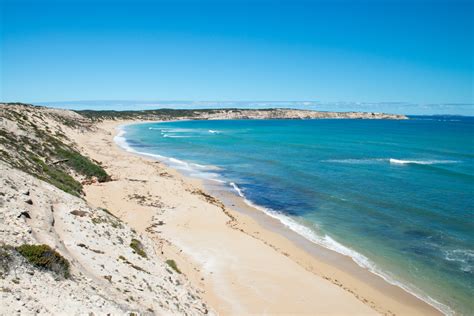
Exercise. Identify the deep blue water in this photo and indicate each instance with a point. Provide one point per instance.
(398, 196)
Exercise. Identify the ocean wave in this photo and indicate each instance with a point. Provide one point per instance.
(421, 162)
(463, 257)
(438, 120)
(207, 176)
(177, 130)
(237, 189)
(204, 167)
(356, 161)
(122, 141)
(366, 161)
(193, 169)
(175, 136)
(213, 131)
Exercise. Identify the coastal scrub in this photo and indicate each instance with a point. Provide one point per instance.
(173, 265)
(42, 256)
(138, 247)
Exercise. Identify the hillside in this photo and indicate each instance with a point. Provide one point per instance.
(59, 255)
(33, 139)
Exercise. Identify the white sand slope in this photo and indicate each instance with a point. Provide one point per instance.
(107, 275)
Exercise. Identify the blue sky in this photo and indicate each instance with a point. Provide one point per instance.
(357, 52)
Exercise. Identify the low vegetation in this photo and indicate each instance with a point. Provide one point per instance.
(132, 265)
(138, 247)
(82, 164)
(30, 143)
(42, 256)
(172, 264)
(56, 176)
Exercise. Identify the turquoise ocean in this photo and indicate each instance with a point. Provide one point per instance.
(396, 196)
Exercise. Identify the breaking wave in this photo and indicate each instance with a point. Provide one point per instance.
(366, 161)
(420, 162)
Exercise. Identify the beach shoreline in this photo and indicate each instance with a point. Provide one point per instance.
(193, 219)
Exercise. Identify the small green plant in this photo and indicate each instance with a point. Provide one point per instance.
(131, 264)
(42, 256)
(138, 247)
(107, 211)
(98, 220)
(173, 265)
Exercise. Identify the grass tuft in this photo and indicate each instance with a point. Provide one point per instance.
(173, 265)
(138, 247)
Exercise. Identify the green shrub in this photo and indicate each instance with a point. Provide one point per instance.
(173, 265)
(82, 165)
(42, 256)
(57, 177)
(138, 247)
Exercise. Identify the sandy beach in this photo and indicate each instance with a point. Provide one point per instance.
(244, 261)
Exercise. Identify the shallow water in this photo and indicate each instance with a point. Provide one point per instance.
(397, 196)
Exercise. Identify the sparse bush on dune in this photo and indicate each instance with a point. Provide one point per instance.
(82, 165)
(55, 176)
(172, 264)
(42, 256)
(138, 247)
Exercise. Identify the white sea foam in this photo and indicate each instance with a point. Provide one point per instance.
(464, 257)
(122, 141)
(204, 167)
(237, 189)
(366, 161)
(356, 161)
(175, 136)
(213, 131)
(207, 176)
(177, 161)
(420, 162)
(177, 130)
